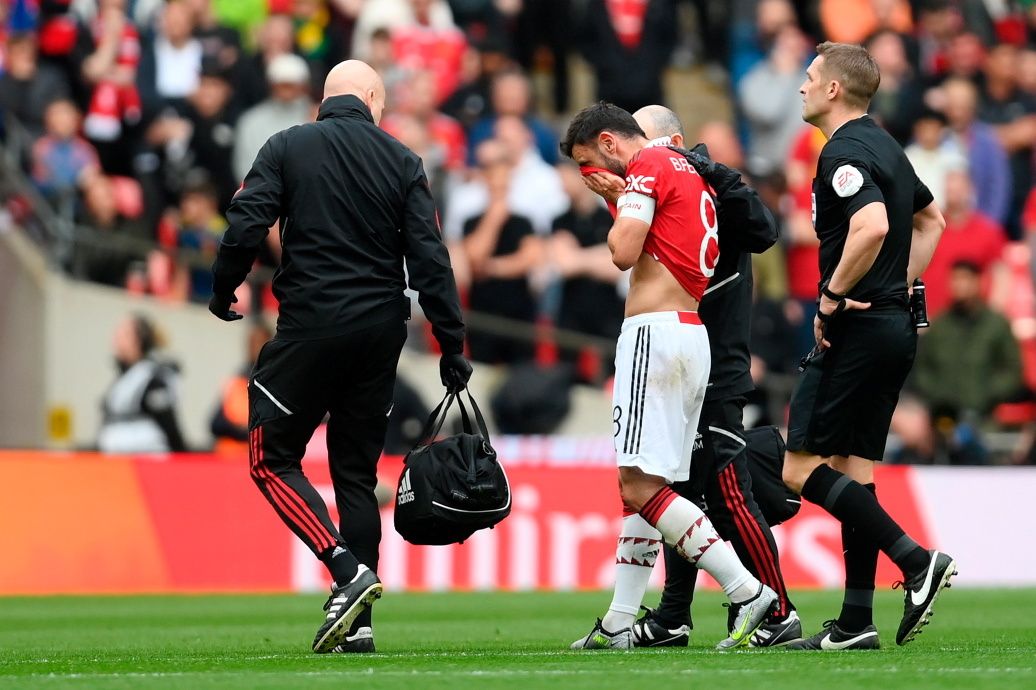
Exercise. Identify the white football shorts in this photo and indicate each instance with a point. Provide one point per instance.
(662, 366)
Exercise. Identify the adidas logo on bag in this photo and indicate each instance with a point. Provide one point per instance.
(406, 494)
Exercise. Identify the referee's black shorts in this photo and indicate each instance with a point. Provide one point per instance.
(845, 398)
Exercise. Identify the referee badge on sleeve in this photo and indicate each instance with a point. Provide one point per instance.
(847, 181)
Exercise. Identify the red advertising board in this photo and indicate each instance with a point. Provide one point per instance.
(92, 523)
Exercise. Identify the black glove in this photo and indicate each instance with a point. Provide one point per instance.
(220, 306)
(454, 370)
(719, 176)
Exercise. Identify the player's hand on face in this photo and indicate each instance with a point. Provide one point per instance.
(606, 185)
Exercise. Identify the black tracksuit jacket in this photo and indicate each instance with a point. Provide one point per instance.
(746, 227)
(352, 203)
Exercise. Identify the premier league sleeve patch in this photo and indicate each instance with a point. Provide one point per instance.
(847, 181)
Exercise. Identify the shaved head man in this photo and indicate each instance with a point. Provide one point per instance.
(357, 78)
(353, 203)
(658, 121)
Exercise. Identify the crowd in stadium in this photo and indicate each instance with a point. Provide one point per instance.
(136, 120)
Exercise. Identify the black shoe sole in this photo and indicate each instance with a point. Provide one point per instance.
(336, 634)
(929, 611)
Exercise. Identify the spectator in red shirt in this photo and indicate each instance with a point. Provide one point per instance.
(1029, 228)
(803, 246)
(969, 236)
(421, 45)
(112, 70)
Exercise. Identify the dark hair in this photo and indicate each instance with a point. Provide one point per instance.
(21, 37)
(966, 265)
(211, 67)
(596, 118)
(934, 6)
(198, 183)
(931, 114)
(147, 338)
(852, 67)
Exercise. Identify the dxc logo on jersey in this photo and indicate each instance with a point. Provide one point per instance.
(639, 183)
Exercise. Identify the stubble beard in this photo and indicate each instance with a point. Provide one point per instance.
(614, 165)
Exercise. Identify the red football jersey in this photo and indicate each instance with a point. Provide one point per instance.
(684, 231)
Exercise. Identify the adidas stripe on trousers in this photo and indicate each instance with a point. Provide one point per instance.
(294, 386)
(719, 473)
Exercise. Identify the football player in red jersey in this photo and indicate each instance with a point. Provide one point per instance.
(666, 231)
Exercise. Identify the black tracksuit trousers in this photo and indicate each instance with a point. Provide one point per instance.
(719, 473)
(294, 385)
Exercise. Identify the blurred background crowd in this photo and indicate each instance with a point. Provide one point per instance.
(130, 124)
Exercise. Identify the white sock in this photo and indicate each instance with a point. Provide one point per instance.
(684, 527)
(639, 544)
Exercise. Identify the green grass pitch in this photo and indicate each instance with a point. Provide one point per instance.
(978, 639)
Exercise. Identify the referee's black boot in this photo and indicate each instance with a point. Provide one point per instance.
(346, 602)
(920, 592)
(833, 638)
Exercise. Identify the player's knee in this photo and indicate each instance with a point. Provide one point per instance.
(632, 498)
(794, 474)
(637, 488)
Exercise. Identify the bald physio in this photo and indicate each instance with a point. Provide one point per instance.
(353, 205)
(658, 121)
(357, 78)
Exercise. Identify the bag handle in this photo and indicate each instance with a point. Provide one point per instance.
(482, 429)
(434, 424)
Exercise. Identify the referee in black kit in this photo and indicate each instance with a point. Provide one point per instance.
(878, 227)
(352, 203)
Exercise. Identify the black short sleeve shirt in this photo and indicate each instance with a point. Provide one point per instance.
(860, 165)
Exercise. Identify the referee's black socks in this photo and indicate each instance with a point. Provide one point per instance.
(861, 564)
(856, 507)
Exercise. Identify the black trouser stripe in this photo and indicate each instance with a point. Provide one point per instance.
(643, 388)
(632, 399)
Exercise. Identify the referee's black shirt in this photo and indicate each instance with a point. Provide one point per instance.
(352, 202)
(859, 165)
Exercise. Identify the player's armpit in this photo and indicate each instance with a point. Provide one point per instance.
(626, 240)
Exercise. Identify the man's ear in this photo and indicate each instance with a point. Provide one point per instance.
(833, 89)
(606, 141)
